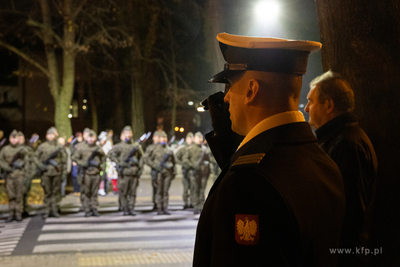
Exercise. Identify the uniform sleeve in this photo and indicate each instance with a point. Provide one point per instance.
(77, 155)
(3, 162)
(113, 154)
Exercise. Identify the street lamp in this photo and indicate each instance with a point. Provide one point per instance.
(266, 11)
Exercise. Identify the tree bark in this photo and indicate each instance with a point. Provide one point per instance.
(361, 41)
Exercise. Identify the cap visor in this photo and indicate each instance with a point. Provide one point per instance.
(222, 77)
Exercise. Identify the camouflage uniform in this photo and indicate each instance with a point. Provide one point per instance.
(186, 172)
(12, 160)
(91, 174)
(29, 172)
(162, 162)
(198, 160)
(51, 173)
(153, 173)
(129, 168)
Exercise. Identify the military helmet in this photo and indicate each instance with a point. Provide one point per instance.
(14, 133)
(52, 130)
(189, 135)
(127, 129)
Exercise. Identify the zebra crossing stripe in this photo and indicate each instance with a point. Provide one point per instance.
(10, 234)
(116, 234)
(131, 224)
(131, 245)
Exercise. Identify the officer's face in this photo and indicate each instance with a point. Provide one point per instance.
(14, 140)
(156, 139)
(315, 109)
(198, 139)
(50, 137)
(235, 94)
(85, 136)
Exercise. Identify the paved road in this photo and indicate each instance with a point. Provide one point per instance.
(110, 240)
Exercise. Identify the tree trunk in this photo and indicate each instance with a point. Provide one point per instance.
(174, 84)
(137, 104)
(361, 41)
(119, 107)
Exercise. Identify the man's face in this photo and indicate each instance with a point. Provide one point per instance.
(234, 95)
(189, 140)
(14, 140)
(91, 139)
(85, 136)
(21, 139)
(315, 109)
(128, 135)
(61, 141)
(164, 140)
(50, 137)
(79, 138)
(156, 139)
(198, 139)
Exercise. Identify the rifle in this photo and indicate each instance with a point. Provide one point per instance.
(2, 142)
(15, 163)
(90, 161)
(49, 161)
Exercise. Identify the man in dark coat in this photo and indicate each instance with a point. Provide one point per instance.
(279, 200)
(330, 106)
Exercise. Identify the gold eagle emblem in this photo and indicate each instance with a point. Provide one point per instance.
(246, 230)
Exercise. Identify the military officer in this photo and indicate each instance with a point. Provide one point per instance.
(12, 160)
(198, 160)
(153, 173)
(91, 159)
(50, 159)
(29, 171)
(162, 162)
(279, 200)
(180, 152)
(127, 155)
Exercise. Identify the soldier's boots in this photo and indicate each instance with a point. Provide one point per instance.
(25, 214)
(155, 207)
(88, 214)
(18, 217)
(166, 211)
(10, 218)
(126, 212)
(197, 211)
(95, 213)
(132, 212)
(45, 216)
(55, 214)
(160, 211)
(187, 206)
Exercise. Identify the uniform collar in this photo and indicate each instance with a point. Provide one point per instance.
(272, 122)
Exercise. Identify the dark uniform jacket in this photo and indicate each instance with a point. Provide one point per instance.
(348, 145)
(278, 202)
(161, 158)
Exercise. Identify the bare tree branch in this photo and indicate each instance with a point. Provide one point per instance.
(26, 57)
(43, 27)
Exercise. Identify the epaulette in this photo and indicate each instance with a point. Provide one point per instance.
(247, 161)
(251, 157)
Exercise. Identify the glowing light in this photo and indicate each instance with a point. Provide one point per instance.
(70, 116)
(181, 129)
(84, 107)
(301, 106)
(267, 11)
(84, 101)
(200, 109)
(176, 128)
(70, 106)
(190, 103)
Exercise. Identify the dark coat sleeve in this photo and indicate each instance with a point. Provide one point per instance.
(223, 146)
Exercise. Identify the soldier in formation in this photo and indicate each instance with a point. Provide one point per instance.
(162, 161)
(197, 158)
(50, 159)
(91, 158)
(13, 158)
(153, 172)
(128, 156)
(186, 172)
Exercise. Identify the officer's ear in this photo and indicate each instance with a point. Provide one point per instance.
(252, 91)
